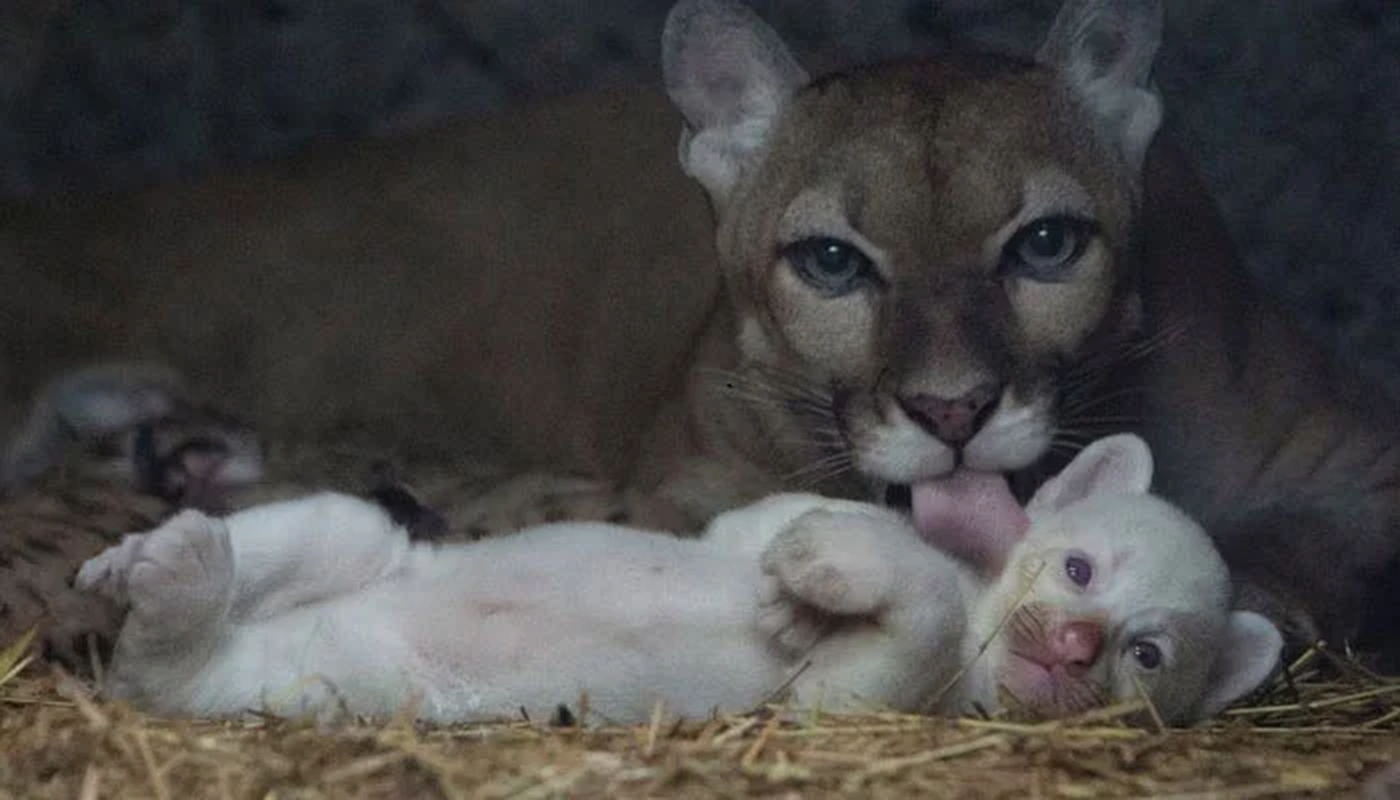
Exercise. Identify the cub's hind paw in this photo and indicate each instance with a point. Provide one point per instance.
(182, 577)
(106, 573)
(176, 578)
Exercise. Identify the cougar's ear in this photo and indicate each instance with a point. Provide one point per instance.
(730, 75)
(1119, 464)
(1104, 49)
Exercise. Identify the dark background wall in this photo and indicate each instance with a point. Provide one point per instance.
(1292, 107)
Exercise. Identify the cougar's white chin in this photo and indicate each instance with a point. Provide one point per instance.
(898, 450)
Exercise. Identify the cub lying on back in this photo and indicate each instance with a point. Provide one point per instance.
(314, 605)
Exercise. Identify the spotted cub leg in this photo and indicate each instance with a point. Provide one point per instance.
(83, 405)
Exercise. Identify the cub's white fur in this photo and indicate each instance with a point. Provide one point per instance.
(321, 604)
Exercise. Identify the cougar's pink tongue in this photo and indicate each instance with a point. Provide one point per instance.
(969, 515)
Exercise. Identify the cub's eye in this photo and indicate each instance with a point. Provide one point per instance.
(830, 266)
(1147, 654)
(1079, 570)
(1046, 249)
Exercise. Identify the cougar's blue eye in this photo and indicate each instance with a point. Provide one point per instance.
(1079, 570)
(830, 266)
(1046, 249)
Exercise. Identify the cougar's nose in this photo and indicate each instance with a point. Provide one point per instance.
(952, 420)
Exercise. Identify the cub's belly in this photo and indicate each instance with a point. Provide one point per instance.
(626, 621)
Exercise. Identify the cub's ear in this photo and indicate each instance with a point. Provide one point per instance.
(1104, 49)
(1247, 657)
(729, 74)
(1119, 464)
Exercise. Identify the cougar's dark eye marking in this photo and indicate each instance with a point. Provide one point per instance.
(1079, 570)
(1046, 249)
(830, 266)
(1147, 654)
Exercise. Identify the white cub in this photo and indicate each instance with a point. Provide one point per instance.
(1113, 594)
(322, 604)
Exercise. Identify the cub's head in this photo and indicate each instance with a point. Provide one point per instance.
(923, 258)
(1113, 595)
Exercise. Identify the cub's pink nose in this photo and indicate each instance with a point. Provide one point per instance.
(1077, 643)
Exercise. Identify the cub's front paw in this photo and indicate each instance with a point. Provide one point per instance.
(176, 579)
(836, 561)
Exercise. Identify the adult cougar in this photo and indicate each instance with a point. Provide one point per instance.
(951, 266)
(930, 268)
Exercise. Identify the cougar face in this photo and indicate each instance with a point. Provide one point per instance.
(924, 258)
(933, 248)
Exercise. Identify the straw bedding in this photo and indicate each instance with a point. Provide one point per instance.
(1320, 738)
